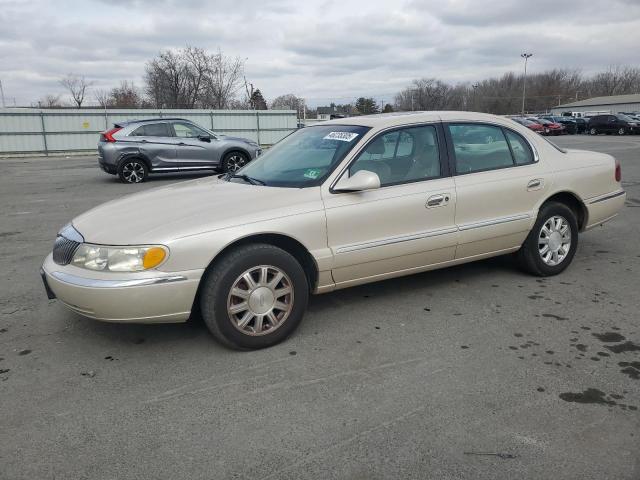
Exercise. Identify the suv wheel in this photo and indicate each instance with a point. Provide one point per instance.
(621, 131)
(234, 161)
(132, 171)
(552, 243)
(593, 131)
(254, 297)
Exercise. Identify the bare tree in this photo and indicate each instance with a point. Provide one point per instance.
(224, 81)
(50, 101)
(191, 77)
(77, 87)
(125, 95)
(288, 101)
(103, 97)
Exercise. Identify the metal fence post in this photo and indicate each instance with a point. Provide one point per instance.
(211, 116)
(106, 119)
(44, 134)
(258, 125)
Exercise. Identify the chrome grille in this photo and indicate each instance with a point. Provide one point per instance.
(63, 250)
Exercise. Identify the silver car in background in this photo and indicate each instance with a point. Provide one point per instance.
(135, 148)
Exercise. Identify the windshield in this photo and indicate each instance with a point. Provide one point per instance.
(625, 118)
(304, 158)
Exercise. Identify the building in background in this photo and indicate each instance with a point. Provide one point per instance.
(597, 105)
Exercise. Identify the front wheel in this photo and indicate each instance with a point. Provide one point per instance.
(552, 243)
(593, 131)
(621, 131)
(132, 171)
(254, 297)
(234, 161)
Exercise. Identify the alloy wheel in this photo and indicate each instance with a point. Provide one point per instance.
(235, 162)
(260, 300)
(554, 240)
(133, 172)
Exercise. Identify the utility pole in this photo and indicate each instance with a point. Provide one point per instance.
(475, 87)
(4, 105)
(524, 83)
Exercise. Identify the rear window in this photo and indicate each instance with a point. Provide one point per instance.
(151, 130)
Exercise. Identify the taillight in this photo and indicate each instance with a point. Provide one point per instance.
(618, 172)
(108, 135)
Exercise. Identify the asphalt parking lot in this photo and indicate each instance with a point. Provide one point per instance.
(408, 378)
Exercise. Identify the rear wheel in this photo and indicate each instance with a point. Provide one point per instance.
(552, 243)
(234, 161)
(254, 297)
(593, 131)
(132, 171)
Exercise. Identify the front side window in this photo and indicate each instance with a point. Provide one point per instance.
(152, 130)
(306, 157)
(186, 130)
(401, 156)
(479, 147)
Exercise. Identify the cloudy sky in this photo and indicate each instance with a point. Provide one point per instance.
(322, 50)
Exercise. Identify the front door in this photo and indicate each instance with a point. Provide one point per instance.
(498, 183)
(195, 148)
(405, 225)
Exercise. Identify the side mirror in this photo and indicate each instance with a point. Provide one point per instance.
(204, 138)
(359, 181)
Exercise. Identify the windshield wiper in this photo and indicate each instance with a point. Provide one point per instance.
(246, 178)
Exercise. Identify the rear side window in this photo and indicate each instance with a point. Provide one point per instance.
(522, 153)
(151, 130)
(479, 147)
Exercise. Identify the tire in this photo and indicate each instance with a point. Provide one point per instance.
(234, 161)
(530, 256)
(593, 131)
(621, 131)
(270, 316)
(132, 170)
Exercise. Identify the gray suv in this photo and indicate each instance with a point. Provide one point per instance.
(135, 148)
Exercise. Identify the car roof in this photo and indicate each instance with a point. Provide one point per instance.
(383, 120)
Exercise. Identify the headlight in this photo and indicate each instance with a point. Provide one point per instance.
(119, 259)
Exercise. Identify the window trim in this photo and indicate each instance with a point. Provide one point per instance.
(452, 153)
(443, 154)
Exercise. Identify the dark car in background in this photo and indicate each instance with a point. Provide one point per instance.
(133, 149)
(613, 123)
(569, 123)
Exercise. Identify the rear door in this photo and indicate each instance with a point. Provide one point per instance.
(195, 146)
(156, 143)
(498, 183)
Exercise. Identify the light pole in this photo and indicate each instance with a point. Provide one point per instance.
(475, 87)
(524, 83)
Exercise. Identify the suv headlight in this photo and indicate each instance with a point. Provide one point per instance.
(119, 259)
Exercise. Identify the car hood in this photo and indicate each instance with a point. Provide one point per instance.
(189, 208)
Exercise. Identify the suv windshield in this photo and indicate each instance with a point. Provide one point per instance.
(624, 117)
(304, 158)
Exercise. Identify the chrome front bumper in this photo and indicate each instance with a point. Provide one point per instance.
(141, 297)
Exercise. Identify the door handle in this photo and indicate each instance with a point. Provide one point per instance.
(437, 200)
(534, 184)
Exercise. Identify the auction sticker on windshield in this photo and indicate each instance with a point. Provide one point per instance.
(312, 173)
(342, 136)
